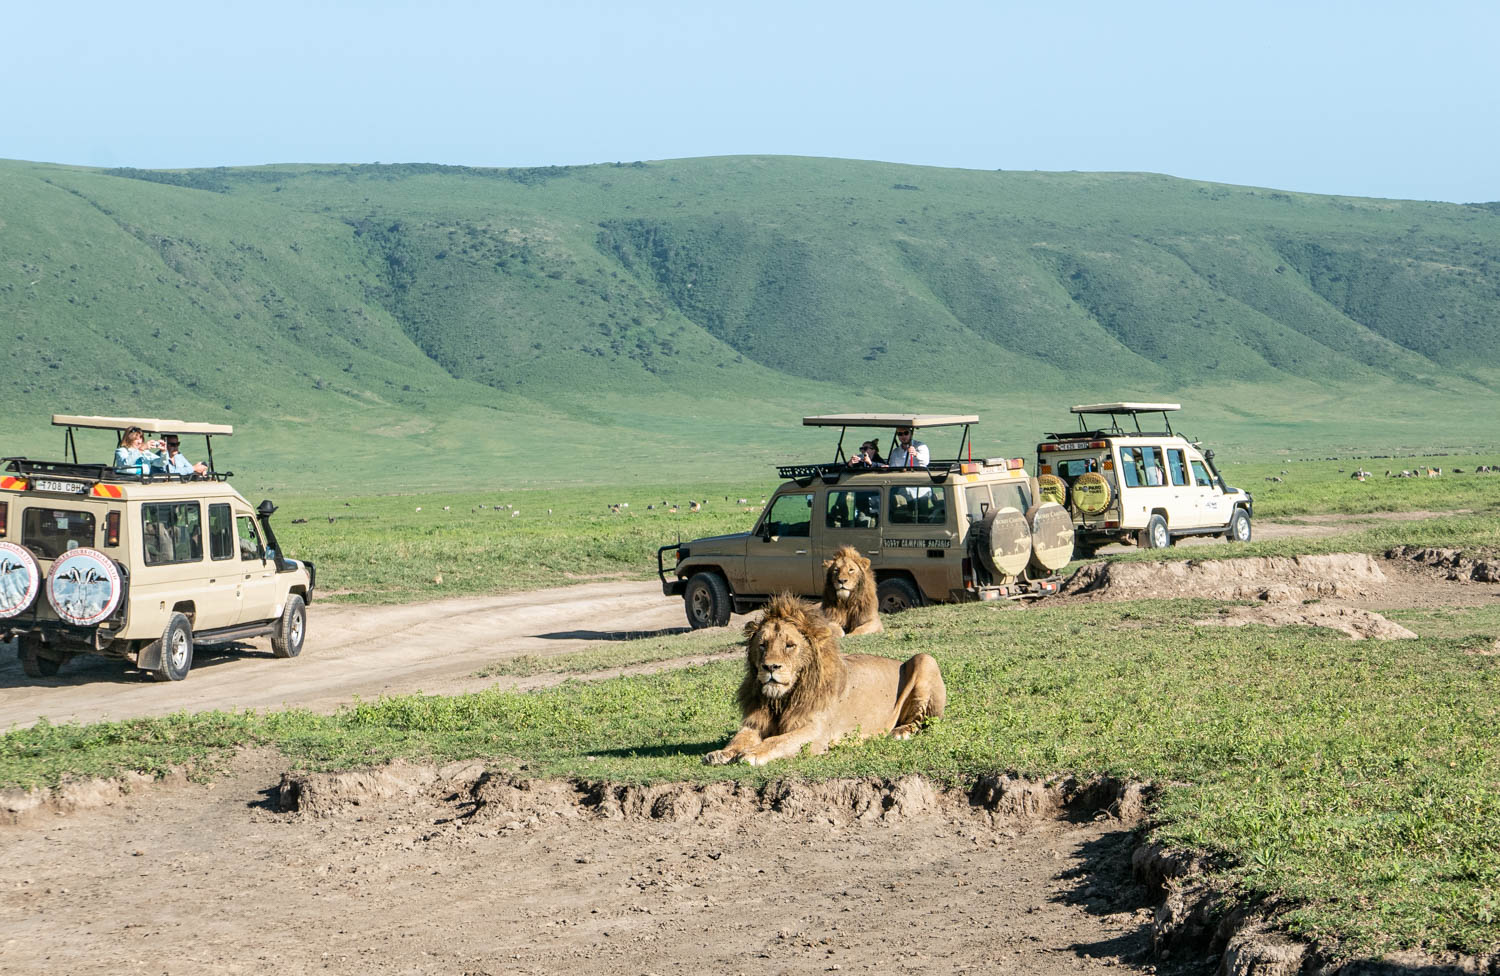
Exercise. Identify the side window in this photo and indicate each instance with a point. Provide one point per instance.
(853, 509)
(50, 532)
(913, 505)
(249, 537)
(172, 532)
(791, 516)
(1177, 465)
(1200, 474)
(1155, 475)
(220, 532)
(1132, 467)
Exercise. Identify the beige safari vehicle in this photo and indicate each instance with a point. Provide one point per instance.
(1124, 482)
(956, 530)
(139, 566)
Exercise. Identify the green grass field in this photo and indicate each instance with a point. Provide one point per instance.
(1353, 784)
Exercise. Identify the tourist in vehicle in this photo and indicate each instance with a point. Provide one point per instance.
(908, 453)
(868, 455)
(136, 456)
(176, 463)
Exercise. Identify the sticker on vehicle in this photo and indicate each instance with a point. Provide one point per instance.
(20, 578)
(84, 586)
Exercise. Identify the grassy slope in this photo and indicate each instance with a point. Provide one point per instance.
(626, 315)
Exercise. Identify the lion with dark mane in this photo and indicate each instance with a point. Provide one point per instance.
(849, 597)
(800, 690)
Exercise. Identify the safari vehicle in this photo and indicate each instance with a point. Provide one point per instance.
(139, 566)
(955, 530)
(1122, 482)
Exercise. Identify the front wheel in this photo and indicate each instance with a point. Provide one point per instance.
(1155, 534)
(176, 650)
(292, 628)
(35, 661)
(706, 600)
(1239, 527)
(897, 594)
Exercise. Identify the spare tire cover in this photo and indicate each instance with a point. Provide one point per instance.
(1051, 537)
(84, 586)
(1005, 542)
(1091, 493)
(1051, 488)
(20, 578)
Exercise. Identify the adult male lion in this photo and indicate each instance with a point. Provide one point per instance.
(799, 690)
(849, 593)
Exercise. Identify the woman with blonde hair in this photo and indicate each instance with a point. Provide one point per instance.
(135, 454)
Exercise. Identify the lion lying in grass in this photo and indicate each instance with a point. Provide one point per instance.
(799, 690)
(849, 593)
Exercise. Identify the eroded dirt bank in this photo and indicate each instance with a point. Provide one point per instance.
(460, 871)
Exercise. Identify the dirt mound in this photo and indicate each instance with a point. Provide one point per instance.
(1277, 579)
(24, 806)
(1453, 564)
(1358, 624)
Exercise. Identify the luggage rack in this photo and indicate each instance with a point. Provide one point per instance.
(28, 468)
(1132, 410)
(805, 474)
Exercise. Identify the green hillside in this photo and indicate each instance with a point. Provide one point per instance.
(406, 326)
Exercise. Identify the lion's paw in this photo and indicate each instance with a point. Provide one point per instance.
(719, 757)
(903, 731)
(749, 759)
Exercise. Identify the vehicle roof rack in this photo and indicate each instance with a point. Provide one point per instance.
(28, 468)
(1130, 409)
(154, 424)
(912, 420)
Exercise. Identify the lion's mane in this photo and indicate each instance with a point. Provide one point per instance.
(862, 606)
(820, 679)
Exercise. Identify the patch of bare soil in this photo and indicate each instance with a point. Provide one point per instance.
(462, 870)
(1358, 624)
(1276, 578)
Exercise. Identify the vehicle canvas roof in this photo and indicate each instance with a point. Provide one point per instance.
(913, 420)
(156, 424)
(1126, 407)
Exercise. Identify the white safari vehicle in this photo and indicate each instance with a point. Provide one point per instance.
(139, 566)
(959, 529)
(1124, 482)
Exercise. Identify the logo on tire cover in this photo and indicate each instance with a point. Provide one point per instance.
(84, 586)
(20, 578)
(1051, 488)
(1091, 493)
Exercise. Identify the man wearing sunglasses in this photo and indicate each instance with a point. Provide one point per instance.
(908, 453)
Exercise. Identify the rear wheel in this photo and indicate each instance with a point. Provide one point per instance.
(290, 631)
(896, 595)
(706, 600)
(1239, 527)
(35, 661)
(1155, 534)
(176, 650)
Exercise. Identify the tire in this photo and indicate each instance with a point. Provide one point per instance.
(35, 661)
(1239, 527)
(896, 594)
(1155, 534)
(291, 630)
(706, 601)
(176, 650)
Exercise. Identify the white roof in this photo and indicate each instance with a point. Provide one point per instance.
(1128, 407)
(891, 420)
(153, 424)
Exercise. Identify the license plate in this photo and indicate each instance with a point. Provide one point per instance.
(67, 487)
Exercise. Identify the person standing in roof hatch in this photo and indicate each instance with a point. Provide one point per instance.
(908, 453)
(176, 463)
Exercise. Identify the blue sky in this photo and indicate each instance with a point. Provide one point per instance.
(1367, 99)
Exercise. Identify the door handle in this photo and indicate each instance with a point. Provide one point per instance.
(801, 552)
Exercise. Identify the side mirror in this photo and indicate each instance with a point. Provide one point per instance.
(764, 532)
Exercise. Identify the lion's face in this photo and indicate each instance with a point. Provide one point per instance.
(846, 571)
(780, 652)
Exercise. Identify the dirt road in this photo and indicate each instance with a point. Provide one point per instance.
(351, 651)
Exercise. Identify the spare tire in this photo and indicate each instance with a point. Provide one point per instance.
(1091, 494)
(1004, 542)
(20, 578)
(1051, 488)
(1051, 538)
(84, 586)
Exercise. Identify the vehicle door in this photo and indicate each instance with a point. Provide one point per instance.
(260, 590)
(920, 539)
(1187, 507)
(780, 556)
(851, 517)
(173, 567)
(1143, 481)
(1208, 497)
